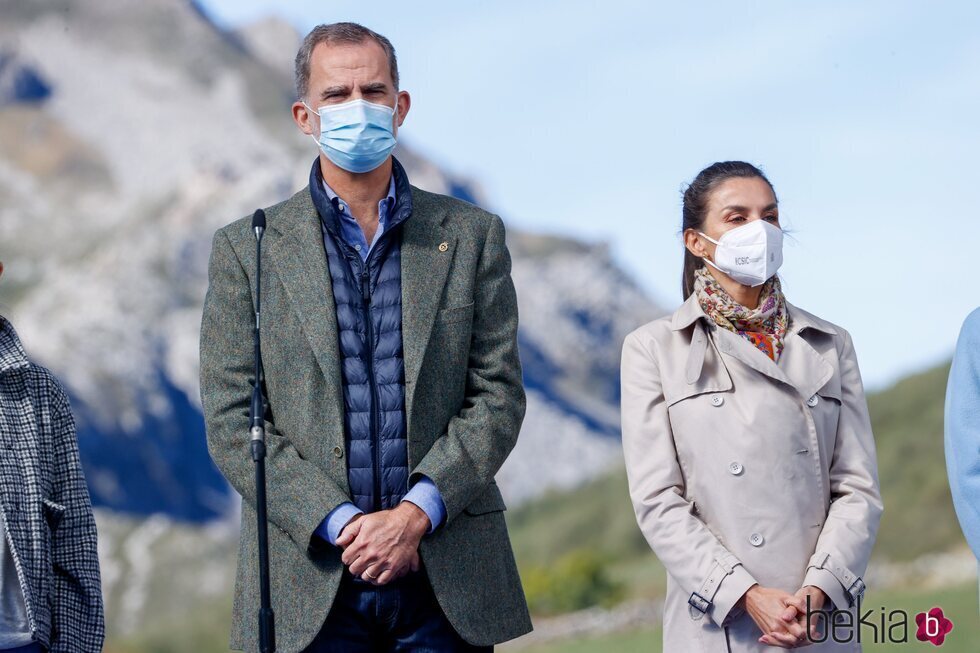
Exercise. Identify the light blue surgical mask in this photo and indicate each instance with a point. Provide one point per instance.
(358, 135)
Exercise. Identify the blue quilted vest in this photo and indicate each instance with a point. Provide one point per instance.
(367, 296)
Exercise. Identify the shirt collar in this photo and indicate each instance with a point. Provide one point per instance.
(384, 206)
(400, 211)
(12, 354)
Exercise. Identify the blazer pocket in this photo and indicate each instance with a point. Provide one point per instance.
(455, 314)
(53, 513)
(490, 501)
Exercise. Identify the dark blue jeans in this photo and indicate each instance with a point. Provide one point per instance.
(400, 616)
(33, 647)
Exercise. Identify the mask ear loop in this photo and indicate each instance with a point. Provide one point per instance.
(315, 139)
(394, 115)
(705, 258)
(709, 238)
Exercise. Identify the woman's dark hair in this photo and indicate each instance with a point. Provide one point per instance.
(696, 197)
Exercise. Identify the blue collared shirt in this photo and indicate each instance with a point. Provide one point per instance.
(350, 230)
(424, 493)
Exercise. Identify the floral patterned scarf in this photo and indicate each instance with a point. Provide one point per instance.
(765, 326)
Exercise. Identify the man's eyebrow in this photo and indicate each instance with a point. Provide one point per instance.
(334, 89)
(374, 86)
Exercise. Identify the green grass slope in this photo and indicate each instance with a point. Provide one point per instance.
(908, 425)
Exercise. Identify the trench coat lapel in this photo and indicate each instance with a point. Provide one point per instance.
(741, 349)
(800, 365)
(426, 253)
(691, 313)
(808, 370)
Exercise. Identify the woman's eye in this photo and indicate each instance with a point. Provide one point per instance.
(772, 218)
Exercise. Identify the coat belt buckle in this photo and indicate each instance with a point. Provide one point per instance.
(699, 603)
(856, 590)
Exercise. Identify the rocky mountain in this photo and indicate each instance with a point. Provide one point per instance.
(130, 130)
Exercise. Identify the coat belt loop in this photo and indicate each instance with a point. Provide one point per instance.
(702, 600)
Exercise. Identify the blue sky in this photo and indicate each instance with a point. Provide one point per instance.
(587, 118)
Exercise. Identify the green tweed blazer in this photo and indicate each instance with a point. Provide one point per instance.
(464, 406)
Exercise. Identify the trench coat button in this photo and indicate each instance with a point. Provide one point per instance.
(338, 451)
(812, 401)
(756, 539)
(735, 468)
(717, 400)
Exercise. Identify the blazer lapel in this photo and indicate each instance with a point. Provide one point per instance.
(299, 257)
(427, 249)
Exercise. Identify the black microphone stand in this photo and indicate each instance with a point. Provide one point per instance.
(267, 618)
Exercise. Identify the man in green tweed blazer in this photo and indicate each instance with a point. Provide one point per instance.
(454, 573)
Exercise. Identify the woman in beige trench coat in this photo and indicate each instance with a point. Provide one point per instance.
(748, 446)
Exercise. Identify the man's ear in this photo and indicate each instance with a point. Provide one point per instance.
(404, 102)
(303, 118)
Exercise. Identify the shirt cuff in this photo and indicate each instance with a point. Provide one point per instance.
(426, 496)
(329, 529)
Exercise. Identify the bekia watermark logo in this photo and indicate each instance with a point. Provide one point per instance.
(933, 626)
(880, 627)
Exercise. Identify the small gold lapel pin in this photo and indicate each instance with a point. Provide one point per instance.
(443, 246)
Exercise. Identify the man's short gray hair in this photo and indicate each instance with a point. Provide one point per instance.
(350, 33)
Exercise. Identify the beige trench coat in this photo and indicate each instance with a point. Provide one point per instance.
(743, 471)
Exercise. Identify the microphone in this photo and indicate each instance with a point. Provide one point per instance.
(258, 404)
(267, 627)
(258, 222)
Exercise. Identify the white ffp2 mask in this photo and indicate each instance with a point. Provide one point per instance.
(749, 254)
